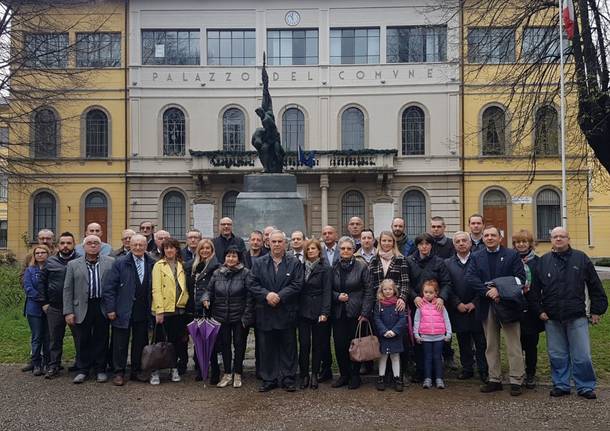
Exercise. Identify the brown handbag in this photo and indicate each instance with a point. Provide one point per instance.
(363, 349)
(159, 355)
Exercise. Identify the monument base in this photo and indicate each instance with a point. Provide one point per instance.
(268, 200)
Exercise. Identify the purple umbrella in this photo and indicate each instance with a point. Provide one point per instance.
(198, 342)
(208, 331)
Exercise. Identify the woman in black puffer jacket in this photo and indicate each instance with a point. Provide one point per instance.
(231, 304)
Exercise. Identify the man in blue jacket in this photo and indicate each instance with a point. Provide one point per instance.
(126, 303)
(486, 265)
(275, 282)
(561, 281)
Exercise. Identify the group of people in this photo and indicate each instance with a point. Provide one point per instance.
(414, 294)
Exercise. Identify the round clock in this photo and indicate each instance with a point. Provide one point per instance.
(293, 18)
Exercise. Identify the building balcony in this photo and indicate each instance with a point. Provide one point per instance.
(361, 161)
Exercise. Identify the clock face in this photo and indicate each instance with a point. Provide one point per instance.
(293, 18)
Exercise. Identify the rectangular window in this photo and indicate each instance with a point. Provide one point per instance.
(354, 46)
(541, 45)
(170, 47)
(3, 136)
(417, 44)
(292, 47)
(46, 50)
(3, 233)
(98, 49)
(3, 188)
(491, 45)
(232, 47)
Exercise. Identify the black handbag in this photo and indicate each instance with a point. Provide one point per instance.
(156, 356)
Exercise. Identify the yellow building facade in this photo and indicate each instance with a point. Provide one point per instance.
(75, 140)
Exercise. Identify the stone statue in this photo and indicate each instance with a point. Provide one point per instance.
(267, 139)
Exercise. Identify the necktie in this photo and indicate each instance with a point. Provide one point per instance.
(140, 268)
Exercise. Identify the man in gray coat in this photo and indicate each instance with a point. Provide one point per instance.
(82, 308)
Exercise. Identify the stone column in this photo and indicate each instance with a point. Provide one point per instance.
(324, 199)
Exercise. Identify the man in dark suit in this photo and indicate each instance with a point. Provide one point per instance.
(486, 265)
(126, 303)
(297, 242)
(275, 282)
(193, 237)
(227, 238)
(330, 251)
(82, 298)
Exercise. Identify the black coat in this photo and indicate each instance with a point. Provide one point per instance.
(287, 283)
(443, 248)
(477, 274)
(559, 286)
(247, 257)
(315, 299)
(357, 284)
(430, 267)
(462, 293)
(52, 277)
(398, 272)
(530, 321)
(119, 290)
(230, 300)
(221, 244)
(197, 283)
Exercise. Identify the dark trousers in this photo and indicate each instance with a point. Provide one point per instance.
(448, 352)
(326, 365)
(232, 334)
(344, 330)
(278, 356)
(529, 344)
(433, 359)
(57, 330)
(472, 345)
(39, 340)
(175, 332)
(120, 346)
(92, 339)
(313, 339)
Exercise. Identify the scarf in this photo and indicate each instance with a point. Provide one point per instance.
(387, 302)
(386, 259)
(309, 266)
(528, 255)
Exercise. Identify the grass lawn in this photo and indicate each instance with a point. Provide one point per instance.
(15, 332)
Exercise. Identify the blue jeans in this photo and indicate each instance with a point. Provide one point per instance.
(40, 340)
(570, 354)
(433, 359)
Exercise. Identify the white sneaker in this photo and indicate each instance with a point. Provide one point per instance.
(227, 379)
(154, 378)
(440, 384)
(175, 375)
(237, 381)
(427, 383)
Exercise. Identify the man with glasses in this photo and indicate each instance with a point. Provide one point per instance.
(193, 237)
(148, 229)
(227, 239)
(125, 239)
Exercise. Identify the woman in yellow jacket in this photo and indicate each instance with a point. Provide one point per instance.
(169, 298)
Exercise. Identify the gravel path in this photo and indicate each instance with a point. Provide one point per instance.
(32, 403)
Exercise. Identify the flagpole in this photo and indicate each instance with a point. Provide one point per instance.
(564, 190)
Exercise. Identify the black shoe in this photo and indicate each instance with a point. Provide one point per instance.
(380, 385)
(52, 373)
(139, 377)
(515, 390)
(198, 377)
(354, 382)
(325, 377)
(556, 392)
(341, 381)
(304, 382)
(314, 382)
(266, 387)
(397, 384)
(590, 395)
(290, 387)
(27, 367)
(465, 375)
(72, 368)
(37, 371)
(530, 382)
(491, 387)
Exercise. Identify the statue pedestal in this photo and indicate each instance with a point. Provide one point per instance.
(268, 199)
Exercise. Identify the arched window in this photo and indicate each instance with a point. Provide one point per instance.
(547, 131)
(45, 213)
(96, 211)
(293, 129)
(494, 131)
(174, 214)
(414, 213)
(96, 134)
(45, 134)
(352, 129)
(413, 131)
(228, 204)
(495, 212)
(352, 205)
(548, 213)
(233, 130)
(173, 132)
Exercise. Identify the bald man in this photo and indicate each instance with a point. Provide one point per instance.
(95, 229)
(355, 227)
(562, 280)
(226, 239)
(330, 251)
